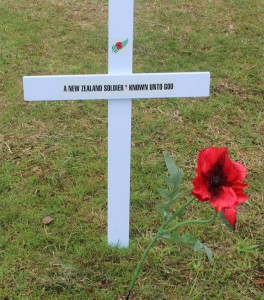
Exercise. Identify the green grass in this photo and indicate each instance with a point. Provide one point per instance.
(54, 155)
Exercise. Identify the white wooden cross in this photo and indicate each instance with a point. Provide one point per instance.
(119, 86)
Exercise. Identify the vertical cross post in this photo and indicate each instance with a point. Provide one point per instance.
(119, 123)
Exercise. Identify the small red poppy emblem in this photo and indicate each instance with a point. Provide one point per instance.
(119, 46)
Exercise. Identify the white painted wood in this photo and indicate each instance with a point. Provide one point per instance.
(119, 145)
(120, 29)
(91, 87)
(119, 86)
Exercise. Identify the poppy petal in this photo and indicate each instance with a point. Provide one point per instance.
(230, 215)
(242, 171)
(209, 157)
(233, 170)
(241, 196)
(226, 198)
(200, 190)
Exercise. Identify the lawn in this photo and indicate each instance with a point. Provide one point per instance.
(53, 156)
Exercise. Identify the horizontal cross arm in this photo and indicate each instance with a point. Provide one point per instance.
(92, 87)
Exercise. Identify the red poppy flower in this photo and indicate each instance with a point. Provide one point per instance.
(220, 181)
(119, 45)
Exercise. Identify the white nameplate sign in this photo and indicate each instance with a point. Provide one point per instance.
(91, 87)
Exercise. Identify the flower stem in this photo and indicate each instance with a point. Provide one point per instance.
(177, 212)
(161, 231)
(190, 222)
(138, 268)
(152, 242)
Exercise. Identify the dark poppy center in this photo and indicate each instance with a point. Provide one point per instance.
(215, 180)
